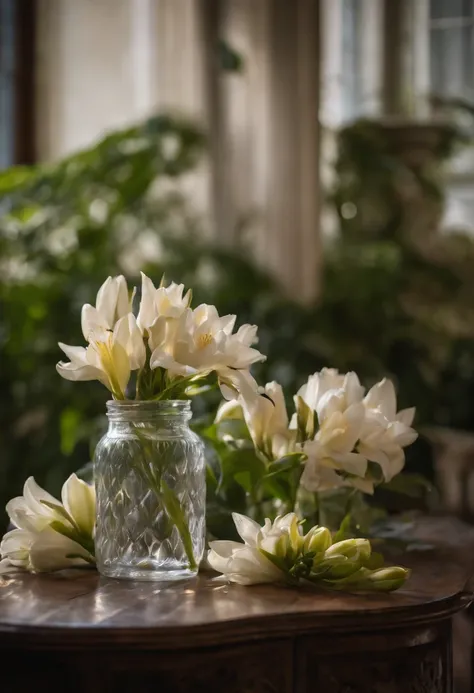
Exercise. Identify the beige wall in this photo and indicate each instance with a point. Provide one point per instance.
(106, 63)
(85, 72)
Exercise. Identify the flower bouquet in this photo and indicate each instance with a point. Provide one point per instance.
(150, 467)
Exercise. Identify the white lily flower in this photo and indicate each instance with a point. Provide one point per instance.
(53, 551)
(324, 393)
(15, 549)
(266, 417)
(45, 551)
(112, 303)
(245, 563)
(49, 535)
(354, 431)
(109, 357)
(329, 379)
(325, 471)
(332, 460)
(204, 342)
(386, 432)
(164, 302)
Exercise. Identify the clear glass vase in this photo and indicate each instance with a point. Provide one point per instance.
(149, 472)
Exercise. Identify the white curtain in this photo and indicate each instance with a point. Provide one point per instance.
(105, 63)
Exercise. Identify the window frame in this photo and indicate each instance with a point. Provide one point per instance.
(22, 98)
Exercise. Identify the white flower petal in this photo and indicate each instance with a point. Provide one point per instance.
(69, 371)
(250, 567)
(231, 409)
(15, 546)
(353, 389)
(91, 322)
(161, 359)
(122, 306)
(220, 553)
(247, 334)
(364, 485)
(127, 334)
(352, 463)
(105, 301)
(406, 416)
(112, 300)
(247, 528)
(6, 567)
(53, 551)
(318, 477)
(79, 501)
(34, 494)
(23, 517)
(147, 311)
(233, 383)
(77, 355)
(401, 435)
(382, 396)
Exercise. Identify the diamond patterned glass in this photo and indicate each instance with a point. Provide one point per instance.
(149, 472)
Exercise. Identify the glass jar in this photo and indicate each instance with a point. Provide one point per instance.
(149, 472)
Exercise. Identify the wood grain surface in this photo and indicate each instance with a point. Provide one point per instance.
(90, 634)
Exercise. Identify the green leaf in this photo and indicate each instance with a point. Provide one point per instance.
(291, 461)
(83, 540)
(344, 531)
(276, 560)
(230, 60)
(412, 485)
(277, 488)
(89, 559)
(237, 461)
(244, 479)
(175, 512)
(61, 510)
(305, 417)
(375, 561)
(69, 424)
(211, 479)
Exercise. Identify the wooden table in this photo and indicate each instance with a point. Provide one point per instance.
(78, 632)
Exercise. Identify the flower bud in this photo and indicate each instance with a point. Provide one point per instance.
(351, 548)
(335, 568)
(318, 539)
(387, 579)
(281, 546)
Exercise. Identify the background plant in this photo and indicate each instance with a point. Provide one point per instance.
(386, 307)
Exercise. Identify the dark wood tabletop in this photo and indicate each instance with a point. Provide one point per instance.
(66, 608)
(196, 633)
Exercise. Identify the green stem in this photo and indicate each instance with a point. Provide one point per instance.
(317, 509)
(175, 511)
(167, 498)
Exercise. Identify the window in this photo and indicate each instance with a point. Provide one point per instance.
(451, 59)
(6, 82)
(17, 54)
(452, 48)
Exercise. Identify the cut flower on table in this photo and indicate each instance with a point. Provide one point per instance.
(278, 552)
(49, 534)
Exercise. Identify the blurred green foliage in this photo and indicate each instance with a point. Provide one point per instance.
(385, 309)
(116, 207)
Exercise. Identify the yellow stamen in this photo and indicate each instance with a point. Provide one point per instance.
(204, 340)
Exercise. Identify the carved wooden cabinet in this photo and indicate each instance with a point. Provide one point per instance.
(79, 632)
